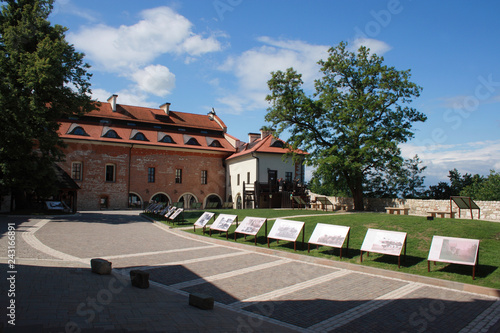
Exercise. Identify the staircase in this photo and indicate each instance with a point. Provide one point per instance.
(249, 196)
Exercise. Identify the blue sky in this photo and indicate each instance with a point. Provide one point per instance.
(219, 53)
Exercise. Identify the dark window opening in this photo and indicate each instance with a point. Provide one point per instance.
(151, 175)
(178, 176)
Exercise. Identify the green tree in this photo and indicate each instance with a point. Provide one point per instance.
(355, 120)
(43, 80)
(400, 179)
(487, 189)
(326, 182)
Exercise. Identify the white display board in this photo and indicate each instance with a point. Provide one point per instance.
(329, 235)
(203, 220)
(223, 222)
(171, 210)
(384, 241)
(454, 250)
(286, 230)
(250, 225)
(176, 213)
(55, 205)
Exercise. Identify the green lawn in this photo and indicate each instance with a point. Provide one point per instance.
(419, 232)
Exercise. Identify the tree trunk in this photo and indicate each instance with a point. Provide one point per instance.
(357, 194)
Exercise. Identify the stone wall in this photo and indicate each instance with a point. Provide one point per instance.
(490, 210)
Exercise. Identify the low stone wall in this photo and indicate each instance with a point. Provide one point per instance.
(490, 210)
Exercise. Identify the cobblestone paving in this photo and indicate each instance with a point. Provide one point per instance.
(255, 290)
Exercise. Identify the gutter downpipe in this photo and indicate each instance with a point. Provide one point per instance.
(257, 180)
(129, 172)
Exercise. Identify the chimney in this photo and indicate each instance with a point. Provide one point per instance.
(264, 133)
(112, 101)
(166, 108)
(253, 137)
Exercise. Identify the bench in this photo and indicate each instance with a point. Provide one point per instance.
(398, 210)
(323, 202)
(227, 205)
(442, 214)
(342, 207)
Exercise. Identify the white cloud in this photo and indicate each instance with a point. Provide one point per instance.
(126, 96)
(161, 30)
(472, 157)
(376, 46)
(155, 79)
(129, 50)
(253, 69)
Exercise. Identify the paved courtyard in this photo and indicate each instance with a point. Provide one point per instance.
(255, 289)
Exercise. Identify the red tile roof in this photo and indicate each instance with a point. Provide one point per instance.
(152, 115)
(191, 125)
(264, 145)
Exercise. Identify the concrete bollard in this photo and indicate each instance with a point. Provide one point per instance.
(139, 279)
(100, 266)
(201, 301)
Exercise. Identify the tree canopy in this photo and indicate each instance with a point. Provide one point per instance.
(43, 79)
(353, 123)
(475, 186)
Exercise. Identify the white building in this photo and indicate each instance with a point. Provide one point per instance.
(259, 175)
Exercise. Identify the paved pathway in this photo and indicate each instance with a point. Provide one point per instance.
(256, 289)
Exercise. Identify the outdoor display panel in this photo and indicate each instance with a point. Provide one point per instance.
(164, 211)
(223, 222)
(384, 242)
(171, 211)
(330, 235)
(464, 251)
(286, 230)
(176, 213)
(203, 219)
(250, 225)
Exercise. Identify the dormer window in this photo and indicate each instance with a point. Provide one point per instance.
(111, 134)
(215, 143)
(139, 136)
(278, 144)
(193, 142)
(167, 139)
(76, 129)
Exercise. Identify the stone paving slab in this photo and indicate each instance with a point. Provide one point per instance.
(98, 239)
(172, 256)
(312, 305)
(172, 274)
(72, 299)
(258, 290)
(427, 309)
(234, 289)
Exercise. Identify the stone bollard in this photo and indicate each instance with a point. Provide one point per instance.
(100, 266)
(201, 301)
(139, 279)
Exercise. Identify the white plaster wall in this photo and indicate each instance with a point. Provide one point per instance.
(274, 162)
(240, 166)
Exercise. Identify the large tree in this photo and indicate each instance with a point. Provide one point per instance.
(43, 80)
(356, 118)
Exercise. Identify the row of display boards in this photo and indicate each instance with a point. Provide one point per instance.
(443, 249)
(169, 212)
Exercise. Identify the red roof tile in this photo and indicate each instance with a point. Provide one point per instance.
(152, 115)
(264, 145)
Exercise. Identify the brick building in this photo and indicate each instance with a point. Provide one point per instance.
(122, 156)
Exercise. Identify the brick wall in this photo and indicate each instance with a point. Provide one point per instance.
(490, 210)
(131, 168)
